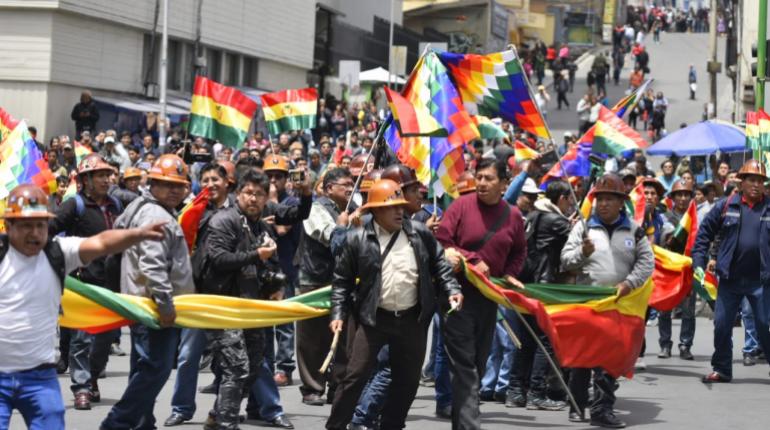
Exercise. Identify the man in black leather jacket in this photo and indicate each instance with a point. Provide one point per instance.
(397, 264)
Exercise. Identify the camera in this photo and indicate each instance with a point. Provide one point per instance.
(297, 175)
(272, 280)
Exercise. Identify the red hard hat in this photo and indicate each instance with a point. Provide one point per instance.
(401, 174)
(93, 163)
(27, 201)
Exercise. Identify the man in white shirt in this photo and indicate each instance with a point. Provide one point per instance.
(32, 270)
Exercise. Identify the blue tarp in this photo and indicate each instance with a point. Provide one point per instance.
(702, 138)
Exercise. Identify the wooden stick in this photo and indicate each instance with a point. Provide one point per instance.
(511, 334)
(332, 349)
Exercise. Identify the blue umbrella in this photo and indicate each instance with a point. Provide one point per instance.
(703, 138)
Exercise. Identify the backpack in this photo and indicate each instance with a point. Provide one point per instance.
(112, 262)
(80, 204)
(52, 251)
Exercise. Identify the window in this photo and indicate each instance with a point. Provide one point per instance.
(173, 65)
(232, 69)
(250, 68)
(214, 64)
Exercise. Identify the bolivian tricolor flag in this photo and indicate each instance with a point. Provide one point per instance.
(190, 217)
(688, 227)
(487, 128)
(290, 110)
(81, 151)
(613, 136)
(672, 278)
(412, 119)
(220, 112)
(72, 189)
(705, 284)
(523, 152)
(758, 130)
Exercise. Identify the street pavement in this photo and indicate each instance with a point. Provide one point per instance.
(669, 395)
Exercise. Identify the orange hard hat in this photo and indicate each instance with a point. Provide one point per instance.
(752, 167)
(400, 174)
(369, 180)
(682, 185)
(610, 183)
(93, 163)
(276, 163)
(230, 169)
(27, 201)
(384, 193)
(466, 183)
(169, 168)
(132, 172)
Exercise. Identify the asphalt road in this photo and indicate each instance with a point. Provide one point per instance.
(669, 395)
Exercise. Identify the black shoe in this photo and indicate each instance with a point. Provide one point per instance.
(515, 399)
(499, 397)
(665, 352)
(607, 420)
(61, 366)
(252, 416)
(208, 389)
(487, 397)
(575, 417)
(96, 395)
(174, 420)
(281, 421)
(444, 413)
(685, 354)
(313, 400)
(749, 359)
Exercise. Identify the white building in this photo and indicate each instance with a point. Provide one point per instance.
(51, 50)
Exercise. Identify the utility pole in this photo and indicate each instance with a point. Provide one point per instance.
(162, 79)
(759, 102)
(390, 46)
(712, 67)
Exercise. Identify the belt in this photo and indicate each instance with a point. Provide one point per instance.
(400, 313)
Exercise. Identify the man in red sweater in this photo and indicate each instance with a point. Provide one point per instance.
(489, 234)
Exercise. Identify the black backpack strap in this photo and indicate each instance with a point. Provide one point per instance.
(4, 244)
(491, 232)
(55, 257)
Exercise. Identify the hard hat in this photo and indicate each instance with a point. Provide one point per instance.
(132, 172)
(682, 185)
(652, 182)
(400, 174)
(276, 163)
(466, 183)
(359, 162)
(169, 168)
(93, 163)
(384, 192)
(610, 183)
(27, 201)
(752, 167)
(230, 169)
(369, 180)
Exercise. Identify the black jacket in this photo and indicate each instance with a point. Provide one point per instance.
(87, 122)
(360, 258)
(316, 260)
(551, 231)
(90, 222)
(231, 242)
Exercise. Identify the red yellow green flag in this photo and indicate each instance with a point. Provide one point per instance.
(412, 118)
(672, 278)
(220, 112)
(72, 189)
(613, 136)
(688, 227)
(705, 284)
(523, 152)
(290, 110)
(190, 217)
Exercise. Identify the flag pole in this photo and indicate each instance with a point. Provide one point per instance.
(377, 142)
(550, 136)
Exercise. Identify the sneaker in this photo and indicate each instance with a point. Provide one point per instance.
(749, 359)
(652, 323)
(515, 399)
(640, 365)
(282, 379)
(116, 350)
(428, 381)
(665, 352)
(545, 404)
(607, 420)
(685, 354)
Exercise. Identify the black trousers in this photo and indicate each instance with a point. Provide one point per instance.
(468, 335)
(604, 390)
(406, 338)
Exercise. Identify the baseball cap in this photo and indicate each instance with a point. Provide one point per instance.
(109, 139)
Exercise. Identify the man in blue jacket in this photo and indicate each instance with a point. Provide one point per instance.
(740, 257)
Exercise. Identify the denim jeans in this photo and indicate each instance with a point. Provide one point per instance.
(443, 383)
(152, 357)
(34, 393)
(498, 371)
(88, 355)
(686, 331)
(729, 297)
(429, 370)
(750, 342)
(284, 339)
(264, 398)
(191, 348)
(373, 397)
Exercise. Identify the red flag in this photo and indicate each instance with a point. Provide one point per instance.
(190, 217)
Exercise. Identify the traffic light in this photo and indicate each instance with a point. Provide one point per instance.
(754, 53)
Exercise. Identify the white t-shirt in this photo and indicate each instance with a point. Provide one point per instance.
(30, 295)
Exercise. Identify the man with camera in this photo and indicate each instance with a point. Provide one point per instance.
(241, 251)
